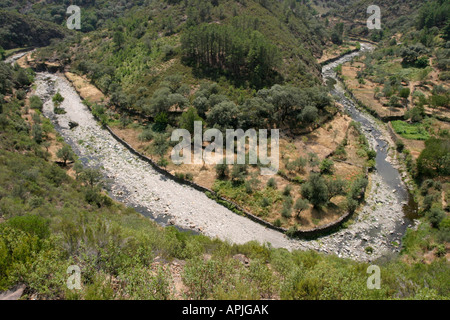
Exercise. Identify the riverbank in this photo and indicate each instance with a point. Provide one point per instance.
(137, 184)
(374, 232)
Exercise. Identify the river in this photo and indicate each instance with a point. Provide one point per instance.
(373, 131)
(380, 224)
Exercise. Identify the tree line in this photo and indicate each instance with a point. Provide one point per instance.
(229, 50)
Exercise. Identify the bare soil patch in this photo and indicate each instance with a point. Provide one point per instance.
(86, 90)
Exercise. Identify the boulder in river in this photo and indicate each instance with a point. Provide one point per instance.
(73, 124)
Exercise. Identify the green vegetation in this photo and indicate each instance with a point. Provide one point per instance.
(415, 131)
(18, 30)
(435, 158)
(230, 50)
(142, 61)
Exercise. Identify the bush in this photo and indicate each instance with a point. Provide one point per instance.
(272, 183)
(286, 212)
(163, 162)
(222, 171)
(326, 166)
(21, 94)
(265, 202)
(238, 173)
(31, 224)
(168, 52)
(57, 99)
(146, 135)
(287, 190)
(435, 216)
(400, 145)
(277, 223)
(161, 122)
(368, 250)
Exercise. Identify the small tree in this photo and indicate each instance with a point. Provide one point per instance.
(222, 171)
(315, 190)
(188, 119)
(272, 183)
(91, 177)
(37, 133)
(435, 158)
(160, 144)
(301, 205)
(336, 188)
(435, 216)
(118, 39)
(57, 99)
(400, 145)
(238, 173)
(66, 154)
(326, 166)
(78, 168)
(287, 190)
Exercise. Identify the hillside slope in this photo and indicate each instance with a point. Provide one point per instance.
(17, 31)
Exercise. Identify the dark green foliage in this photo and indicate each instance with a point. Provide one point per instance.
(188, 119)
(161, 122)
(412, 53)
(352, 204)
(301, 205)
(326, 166)
(400, 145)
(287, 190)
(31, 224)
(231, 51)
(336, 188)
(416, 114)
(57, 100)
(293, 105)
(337, 34)
(65, 154)
(238, 173)
(433, 13)
(222, 171)
(36, 103)
(358, 187)
(272, 183)
(160, 144)
(435, 216)
(37, 133)
(435, 158)
(23, 78)
(315, 190)
(18, 31)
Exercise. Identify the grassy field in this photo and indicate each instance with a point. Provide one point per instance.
(415, 131)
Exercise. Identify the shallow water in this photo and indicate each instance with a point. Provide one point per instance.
(385, 169)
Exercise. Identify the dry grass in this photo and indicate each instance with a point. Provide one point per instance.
(322, 141)
(365, 92)
(334, 52)
(86, 90)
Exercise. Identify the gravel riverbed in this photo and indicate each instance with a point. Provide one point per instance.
(135, 183)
